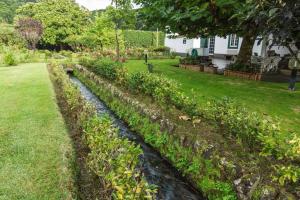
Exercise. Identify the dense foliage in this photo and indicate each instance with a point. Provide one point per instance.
(136, 38)
(10, 37)
(10, 55)
(223, 17)
(259, 133)
(279, 18)
(112, 158)
(122, 15)
(106, 67)
(8, 8)
(60, 19)
(202, 171)
(31, 30)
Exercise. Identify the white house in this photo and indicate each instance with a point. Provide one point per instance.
(220, 49)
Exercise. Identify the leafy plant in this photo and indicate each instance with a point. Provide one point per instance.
(146, 39)
(9, 59)
(167, 144)
(113, 159)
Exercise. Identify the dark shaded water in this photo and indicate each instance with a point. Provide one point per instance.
(171, 185)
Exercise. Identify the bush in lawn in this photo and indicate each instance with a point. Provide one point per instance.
(9, 59)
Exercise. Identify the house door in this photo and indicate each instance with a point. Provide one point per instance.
(204, 43)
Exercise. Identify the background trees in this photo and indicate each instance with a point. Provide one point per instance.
(60, 19)
(122, 15)
(31, 30)
(8, 8)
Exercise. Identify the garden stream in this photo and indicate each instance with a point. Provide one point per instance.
(158, 171)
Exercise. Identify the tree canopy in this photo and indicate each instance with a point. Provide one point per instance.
(279, 18)
(122, 15)
(60, 19)
(31, 30)
(246, 18)
(8, 8)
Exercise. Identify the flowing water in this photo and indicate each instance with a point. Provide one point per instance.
(158, 171)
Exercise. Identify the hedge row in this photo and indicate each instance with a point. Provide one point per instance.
(259, 132)
(203, 172)
(136, 38)
(111, 158)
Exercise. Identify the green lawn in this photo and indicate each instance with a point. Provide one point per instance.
(36, 156)
(268, 98)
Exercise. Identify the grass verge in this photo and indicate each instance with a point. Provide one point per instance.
(269, 98)
(36, 156)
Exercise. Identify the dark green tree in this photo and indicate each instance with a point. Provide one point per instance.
(194, 18)
(279, 19)
(60, 19)
(8, 8)
(122, 15)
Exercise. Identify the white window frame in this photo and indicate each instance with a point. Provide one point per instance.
(233, 41)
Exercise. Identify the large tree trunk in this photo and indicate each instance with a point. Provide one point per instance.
(245, 53)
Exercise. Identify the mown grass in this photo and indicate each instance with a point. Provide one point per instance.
(267, 98)
(36, 157)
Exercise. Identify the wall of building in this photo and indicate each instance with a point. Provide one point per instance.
(221, 63)
(221, 46)
(258, 48)
(177, 45)
(280, 50)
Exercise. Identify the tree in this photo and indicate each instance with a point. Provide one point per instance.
(60, 19)
(31, 30)
(123, 17)
(278, 18)
(8, 8)
(194, 18)
(98, 35)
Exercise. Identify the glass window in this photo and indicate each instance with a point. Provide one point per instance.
(184, 40)
(233, 41)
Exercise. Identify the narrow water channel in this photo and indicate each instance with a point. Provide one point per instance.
(158, 171)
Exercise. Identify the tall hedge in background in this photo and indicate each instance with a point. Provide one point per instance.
(136, 38)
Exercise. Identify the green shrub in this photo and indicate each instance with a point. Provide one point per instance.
(161, 49)
(9, 59)
(112, 158)
(253, 68)
(48, 54)
(259, 132)
(167, 144)
(104, 67)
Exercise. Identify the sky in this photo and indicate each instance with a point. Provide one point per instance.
(94, 4)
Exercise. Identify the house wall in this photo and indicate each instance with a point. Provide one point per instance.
(177, 45)
(221, 63)
(257, 48)
(221, 46)
(196, 43)
(221, 49)
(280, 50)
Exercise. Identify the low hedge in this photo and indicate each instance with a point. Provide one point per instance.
(112, 158)
(204, 174)
(258, 132)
